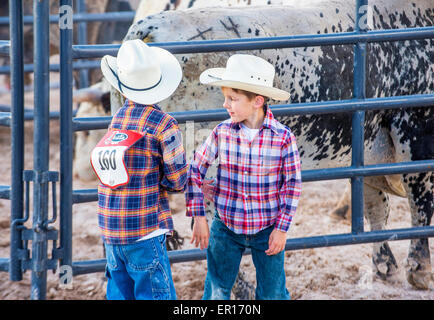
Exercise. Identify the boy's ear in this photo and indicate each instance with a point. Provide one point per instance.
(259, 101)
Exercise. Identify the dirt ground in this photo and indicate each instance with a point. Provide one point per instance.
(323, 273)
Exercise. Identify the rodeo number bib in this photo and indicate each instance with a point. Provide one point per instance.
(107, 157)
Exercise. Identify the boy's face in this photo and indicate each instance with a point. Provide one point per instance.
(239, 106)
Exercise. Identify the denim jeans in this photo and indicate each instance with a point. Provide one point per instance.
(224, 253)
(139, 271)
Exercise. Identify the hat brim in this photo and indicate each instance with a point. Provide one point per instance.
(214, 76)
(171, 75)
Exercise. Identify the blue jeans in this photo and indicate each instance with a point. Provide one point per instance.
(224, 253)
(139, 271)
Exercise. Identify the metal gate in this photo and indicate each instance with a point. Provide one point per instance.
(37, 259)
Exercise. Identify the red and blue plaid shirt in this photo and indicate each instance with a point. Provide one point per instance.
(258, 183)
(156, 163)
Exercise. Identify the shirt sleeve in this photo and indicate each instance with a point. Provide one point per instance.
(290, 190)
(173, 159)
(203, 158)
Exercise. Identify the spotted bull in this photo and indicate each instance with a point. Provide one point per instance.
(326, 73)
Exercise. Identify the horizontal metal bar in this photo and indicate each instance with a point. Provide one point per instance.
(84, 195)
(89, 123)
(5, 119)
(29, 112)
(324, 107)
(88, 266)
(5, 192)
(177, 256)
(368, 170)
(53, 115)
(7, 108)
(89, 195)
(5, 46)
(110, 49)
(4, 264)
(83, 17)
(121, 16)
(397, 102)
(307, 40)
(76, 65)
(86, 51)
(359, 238)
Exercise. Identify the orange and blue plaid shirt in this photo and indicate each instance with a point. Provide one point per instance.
(156, 164)
(258, 182)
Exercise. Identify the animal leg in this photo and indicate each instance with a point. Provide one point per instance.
(376, 212)
(420, 190)
(413, 137)
(242, 289)
(391, 184)
(343, 208)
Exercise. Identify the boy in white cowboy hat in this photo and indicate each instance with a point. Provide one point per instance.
(139, 159)
(258, 181)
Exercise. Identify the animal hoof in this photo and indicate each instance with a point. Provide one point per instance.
(420, 280)
(174, 241)
(384, 262)
(386, 271)
(242, 289)
(419, 276)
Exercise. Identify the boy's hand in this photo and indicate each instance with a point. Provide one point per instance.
(276, 243)
(200, 233)
(208, 189)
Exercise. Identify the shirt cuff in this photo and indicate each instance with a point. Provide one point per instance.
(283, 222)
(195, 209)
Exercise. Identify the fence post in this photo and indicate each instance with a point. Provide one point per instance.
(66, 138)
(82, 39)
(17, 133)
(358, 120)
(41, 149)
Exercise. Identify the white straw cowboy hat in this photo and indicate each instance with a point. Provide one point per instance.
(245, 72)
(143, 74)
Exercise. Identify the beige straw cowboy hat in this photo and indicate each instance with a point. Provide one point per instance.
(143, 74)
(245, 72)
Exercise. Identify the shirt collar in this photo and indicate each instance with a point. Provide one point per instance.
(269, 121)
(130, 103)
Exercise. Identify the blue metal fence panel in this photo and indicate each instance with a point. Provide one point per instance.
(41, 147)
(17, 135)
(308, 40)
(358, 126)
(4, 47)
(66, 143)
(82, 39)
(324, 107)
(81, 17)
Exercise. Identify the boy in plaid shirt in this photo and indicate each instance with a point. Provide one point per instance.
(139, 159)
(258, 181)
